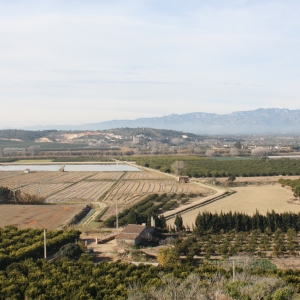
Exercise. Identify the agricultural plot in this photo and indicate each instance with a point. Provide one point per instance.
(44, 189)
(107, 176)
(71, 177)
(81, 191)
(147, 175)
(26, 179)
(7, 174)
(129, 191)
(247, 200)
(256, 243)
(38, 216)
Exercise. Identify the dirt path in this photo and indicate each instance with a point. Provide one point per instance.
(218, 192)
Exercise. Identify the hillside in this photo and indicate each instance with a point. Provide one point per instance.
(269, 120)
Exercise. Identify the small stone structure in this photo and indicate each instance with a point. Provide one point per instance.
(133, 234)
(62, 169)
(184, 179)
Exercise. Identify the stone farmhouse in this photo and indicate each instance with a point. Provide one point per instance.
(134, 234)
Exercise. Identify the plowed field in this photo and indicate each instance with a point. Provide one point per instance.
(81, 191)
(38, 216)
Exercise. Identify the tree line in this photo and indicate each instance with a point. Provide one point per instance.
(214, 222)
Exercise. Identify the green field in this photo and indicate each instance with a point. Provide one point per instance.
(197, 166)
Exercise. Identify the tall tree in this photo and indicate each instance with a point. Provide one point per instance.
(178, 166)
(178, 222)
(297, 192)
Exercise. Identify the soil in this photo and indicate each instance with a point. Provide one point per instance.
(37, 216)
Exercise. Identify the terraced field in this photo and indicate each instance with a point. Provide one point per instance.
(81, 192)
(107, 175)
(129, 191)
(72, 177)
(44, 189)
(7, 174)
(147, 175)
(20, 180)
(124, 188)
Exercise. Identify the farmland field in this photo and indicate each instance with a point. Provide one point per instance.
(7, 174)
(72, 177)
(247, 199)
(81, 191)
(124, 187)
(38, 216)
(109, 187)
(147, 175)
(129, 191)
(21, 179)
(44, 189)
(107, 175)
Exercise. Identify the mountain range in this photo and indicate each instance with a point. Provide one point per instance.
(262, 120)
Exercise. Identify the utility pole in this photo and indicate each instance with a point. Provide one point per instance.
(117, 219)
(233, 270)
(45, 245)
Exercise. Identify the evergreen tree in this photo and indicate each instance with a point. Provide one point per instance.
(178, 223)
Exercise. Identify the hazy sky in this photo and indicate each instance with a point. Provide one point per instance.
(76, 62)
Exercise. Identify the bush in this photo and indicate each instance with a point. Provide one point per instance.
(70, 251)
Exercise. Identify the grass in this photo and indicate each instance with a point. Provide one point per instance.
(99, 216)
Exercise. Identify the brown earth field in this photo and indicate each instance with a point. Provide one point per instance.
(37, 216)
(248, 199)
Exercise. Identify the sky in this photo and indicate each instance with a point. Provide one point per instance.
(77, 62)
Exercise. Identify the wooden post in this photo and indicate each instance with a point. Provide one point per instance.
(117, 219)
(45, 245)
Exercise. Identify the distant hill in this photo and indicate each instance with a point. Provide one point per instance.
(13, 137)
(262, 120)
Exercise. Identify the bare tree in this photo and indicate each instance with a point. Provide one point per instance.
(234, 152)
(178, 166)
(216, 287)
(211, 153)
(259, 151)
